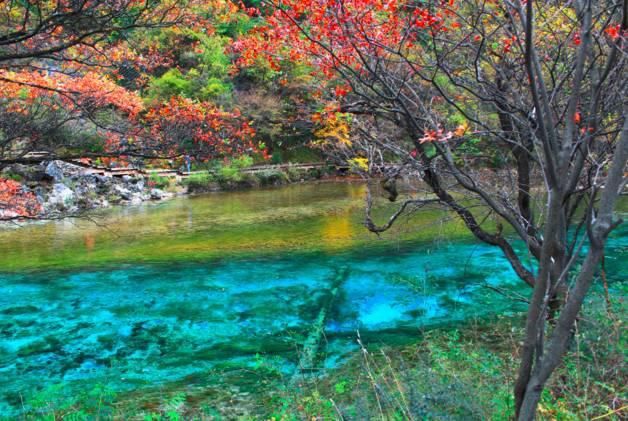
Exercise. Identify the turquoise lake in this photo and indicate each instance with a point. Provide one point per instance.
(173, 294)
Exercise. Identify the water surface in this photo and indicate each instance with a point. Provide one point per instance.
(173, 293)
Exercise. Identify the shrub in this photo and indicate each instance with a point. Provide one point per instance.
(199, 182)
(231, 174)
(171, 83)
(314, 173)
(157, 181)
(271, 177)
(295, 174)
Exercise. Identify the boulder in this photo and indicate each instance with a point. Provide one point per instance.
(85, 187)
(136, 199)
(59, 170)
(102, 179)
(61, 195)
(137, 186)
(157, 194)
(40, 193)
(122, 191)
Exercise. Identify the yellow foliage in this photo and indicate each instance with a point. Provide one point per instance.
(461, 129)
(360, 163)
(335, 131)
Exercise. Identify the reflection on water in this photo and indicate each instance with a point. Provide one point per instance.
(323, 217)
(122, 304)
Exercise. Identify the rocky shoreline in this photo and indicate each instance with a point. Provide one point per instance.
(64, 189)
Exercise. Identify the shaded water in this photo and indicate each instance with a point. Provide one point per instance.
(167, 294)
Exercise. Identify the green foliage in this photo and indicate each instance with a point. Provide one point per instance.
(203, 73)
(341, 387)
(199, 182)
(216, 63)
(56, 402)
(267, 367)
(471, 146)
(456, 119)
(296, 174)
(215, 88)
(271, 177)
(230, 175)
(172, 83)
(238, 25)
(155, 180)
(13, 176)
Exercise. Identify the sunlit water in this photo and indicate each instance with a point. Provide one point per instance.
(169, 293)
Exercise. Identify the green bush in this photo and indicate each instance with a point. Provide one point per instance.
(297, 174)
(314, 173)
(199, 182)
(172, 83)
(231, 174)
(276, 158)
(271, 177)
(157, 181)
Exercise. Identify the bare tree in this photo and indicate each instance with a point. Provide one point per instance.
(542, 88)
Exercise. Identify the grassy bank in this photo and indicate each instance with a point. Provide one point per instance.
(468, 373)
(450, 373)
(237, 175)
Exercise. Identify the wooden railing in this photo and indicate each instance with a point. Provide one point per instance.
(167, 172)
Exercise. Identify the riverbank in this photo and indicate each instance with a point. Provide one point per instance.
(66, 189)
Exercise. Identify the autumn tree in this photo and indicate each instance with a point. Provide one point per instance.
(199, 128)
(44, 34)
(57, 60)
(71, 75)
(445, 90)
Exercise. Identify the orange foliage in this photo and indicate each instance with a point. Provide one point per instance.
(209, 129)
(15, 202)
(74, 93)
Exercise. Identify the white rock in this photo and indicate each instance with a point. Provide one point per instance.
(61, 195)
(59, 170)
(156, 194)
(123, 192)
(136, 199)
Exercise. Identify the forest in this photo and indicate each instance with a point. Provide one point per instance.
(307, 209)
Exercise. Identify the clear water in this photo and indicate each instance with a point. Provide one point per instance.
(167, 294)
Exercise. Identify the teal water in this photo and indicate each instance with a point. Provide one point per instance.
(157, 322)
